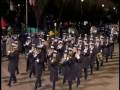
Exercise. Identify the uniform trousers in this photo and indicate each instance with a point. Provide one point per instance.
(12, 78)
(70, 84)
(53, 84)
(85, 73)
(38, 82)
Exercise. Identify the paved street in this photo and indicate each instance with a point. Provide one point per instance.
(105, 79)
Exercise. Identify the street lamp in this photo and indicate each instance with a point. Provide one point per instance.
(116, 12)
(103, 5)
(18, 5)
(82, 0)
(81, 8)
(55, 24)
(26, 21)
(114, 8)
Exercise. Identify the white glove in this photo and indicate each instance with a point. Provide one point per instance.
(77, 56)
(91, 51)
(27, 43)
(67, 58)
(37, 60)
(8, 52)
(35, 54)
(30, 51)
(85, 50)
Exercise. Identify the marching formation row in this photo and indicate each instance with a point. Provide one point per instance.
(69, 56)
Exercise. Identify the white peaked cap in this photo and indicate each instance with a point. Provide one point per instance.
(14, 45)
(69, 49)
(40, 46)
(54, 51)
(65, 51)
(28, 37)
(86, 44)
(43, 40)
(91, 38)
(85, 38)
(101, 37)
(79, 48)
(52, 47)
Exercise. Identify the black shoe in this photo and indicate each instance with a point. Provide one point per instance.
(101, 64)
(91, 73)
(29, 76)
(78, 84)
(85, 78)
(64, 82)
(9, 85)
(35, 87)
(15, 82)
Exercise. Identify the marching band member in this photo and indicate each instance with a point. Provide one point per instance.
(106, 49)
(78, 65)
(54, 62)
(92, 56)
(62, 62)
(39, 60)
(32, 57)
(102, 47)
(27, 45)
(86, 60)
(70, 68)
(111, 46)
(98, 49)
(13, 60)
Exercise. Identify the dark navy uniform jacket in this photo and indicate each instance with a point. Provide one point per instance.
(93, 56)
(54, 70)
(86, 59)
(69, 69)
(31, 60)
(12, 62)
(39, 65)
(78, 66)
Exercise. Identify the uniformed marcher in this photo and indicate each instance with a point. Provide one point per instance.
(54, 62)
(92, 56)
(86, 60)
(12, 64)
(63, 59)
(32, 61)
(78, 65)
(111, 47)
(49, 55)
(98, 50)
(38, 66)
(17, 57)
(106, 49)
(28, 45)
(69, 68)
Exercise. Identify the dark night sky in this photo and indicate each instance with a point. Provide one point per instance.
(71, 9)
